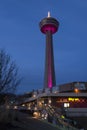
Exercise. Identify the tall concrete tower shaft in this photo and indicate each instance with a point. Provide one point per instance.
(49, 26)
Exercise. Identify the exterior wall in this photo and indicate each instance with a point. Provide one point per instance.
(71, 86)
(75, 108)
(66, 87)
(71, 112)
(73, 102)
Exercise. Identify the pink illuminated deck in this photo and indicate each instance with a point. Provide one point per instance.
(49, 27)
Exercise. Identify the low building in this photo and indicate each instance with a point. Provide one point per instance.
(69, 99)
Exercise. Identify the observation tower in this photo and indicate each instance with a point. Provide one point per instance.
(49, 26)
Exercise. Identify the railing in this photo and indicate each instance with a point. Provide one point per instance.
(58, 119)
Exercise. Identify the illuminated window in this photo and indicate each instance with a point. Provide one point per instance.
(29, 108)
(35, 108)
(34, 95)
(42, 101)
(49, 101)
(15, 107)
(66, 105)
(23, 105)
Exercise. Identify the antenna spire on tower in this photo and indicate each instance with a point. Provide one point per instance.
(48, 14)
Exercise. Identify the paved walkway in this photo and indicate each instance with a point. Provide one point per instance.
(34, 124)
(25, 122)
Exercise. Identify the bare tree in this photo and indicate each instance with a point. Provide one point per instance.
(9, 79)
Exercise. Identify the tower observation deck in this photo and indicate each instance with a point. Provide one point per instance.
(49, 26)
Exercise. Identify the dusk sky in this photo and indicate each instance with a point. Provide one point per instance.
(21, 38)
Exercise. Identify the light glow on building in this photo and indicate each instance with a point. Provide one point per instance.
(73, 99)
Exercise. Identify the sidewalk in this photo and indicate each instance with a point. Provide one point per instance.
(25, 122)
